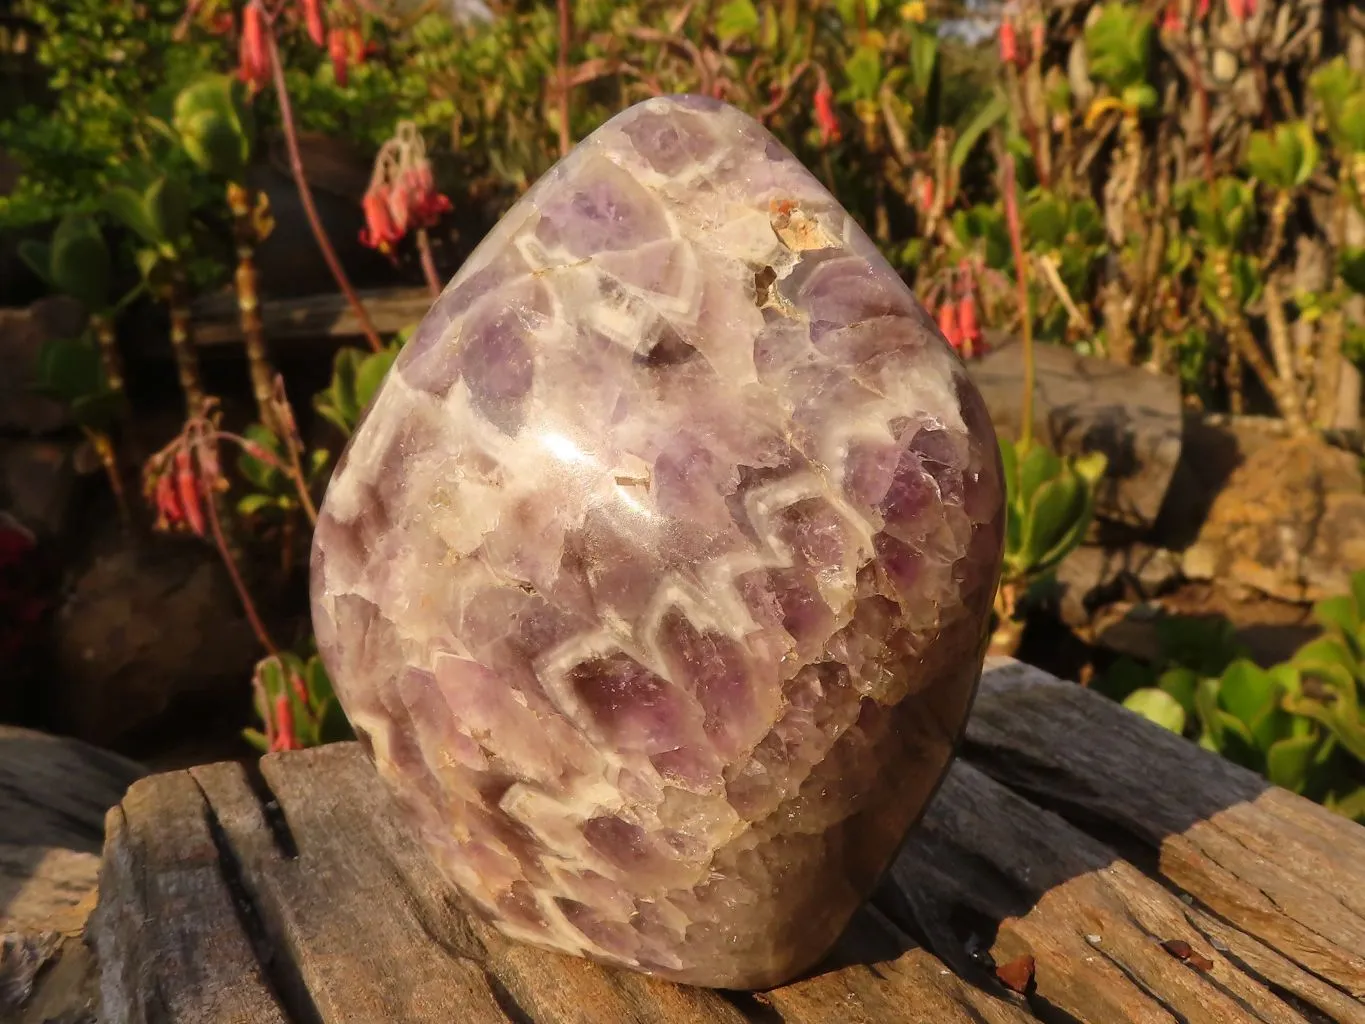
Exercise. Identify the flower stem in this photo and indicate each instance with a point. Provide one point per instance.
(306, 197)
(1021, 287)
(428, 262)
(240, 202)
(565, 33)
(182, 345)
(230, 562)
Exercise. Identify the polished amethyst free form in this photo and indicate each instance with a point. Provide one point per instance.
(657, 576)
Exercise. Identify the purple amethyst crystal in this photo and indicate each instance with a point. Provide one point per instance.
(657, 577)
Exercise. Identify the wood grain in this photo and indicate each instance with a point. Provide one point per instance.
(1278, 868)
(1073, 833)
(216, 319)
(54, 794)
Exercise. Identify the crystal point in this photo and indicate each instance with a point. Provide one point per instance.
(657, 576)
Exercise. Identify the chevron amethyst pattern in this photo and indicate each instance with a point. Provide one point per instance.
(656, 578)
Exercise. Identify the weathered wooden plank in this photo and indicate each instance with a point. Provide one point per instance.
(1094, 924)
(216, 320)
(545, 987)
(169, 929)
(54, 794)
(888, 978)
(1283, 871)
(345, 940)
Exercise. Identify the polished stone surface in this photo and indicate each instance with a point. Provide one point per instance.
(657, 576)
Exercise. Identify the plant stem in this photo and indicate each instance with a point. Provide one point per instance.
(104, 448)
(248, 606)
(1245, 347)
(240, 202)
(182, 345)
(306, 197)
(110, 359)
(428, 262)
(565, 35)
(1021, 287)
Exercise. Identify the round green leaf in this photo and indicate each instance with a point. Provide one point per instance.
(1159, 707)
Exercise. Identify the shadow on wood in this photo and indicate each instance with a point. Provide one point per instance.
(1072, 832)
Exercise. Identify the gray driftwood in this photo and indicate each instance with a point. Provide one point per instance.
(54, 794)
(1147, 880)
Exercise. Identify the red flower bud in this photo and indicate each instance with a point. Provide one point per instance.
(187, 491)
(1241, 9)
(283, 738)
(966, 316)
(1009, 42)
(253, 64)
(312, 16)
(948, 324)
(825, 117)
(379, 231)
(1204, 6)
(1170, 19)
(339, 52)
(168, 511)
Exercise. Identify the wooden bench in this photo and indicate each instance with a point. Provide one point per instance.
(1147, 880)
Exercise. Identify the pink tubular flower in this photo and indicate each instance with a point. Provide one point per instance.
(1241, 9)
(253, 56)
(339, 52)
(1009, 41)
(402, 193)
(379, 231)
(948, 324)
(1170, 18)
(825, 117)
(284, 738)
(1203, 11)
(312, 16)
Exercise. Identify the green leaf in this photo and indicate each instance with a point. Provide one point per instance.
(984, 120)
(318, 682)
(254, 504)
(38, 257)
(1044, 222)
(259, 472)
(167, 203)
(80, 264)
(370, 375)
(1118, 43)
(1351, 267)
(127, 207)
(1182, 684)
(257, 739)
(1285, 157)
(69, 369)
(736, 19)
(1037, 466)
(214, 121)
(1246, 691)
(1288, 761)
(864, 73)
(1157, 706)
(334, 726)
(1052, 515)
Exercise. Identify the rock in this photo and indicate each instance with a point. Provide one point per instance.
(1092, 575)
(54, 793)
(38, 484)
(23, 332)
(1086, 404)
(657, 577)
(144, 629)
(1289, 523)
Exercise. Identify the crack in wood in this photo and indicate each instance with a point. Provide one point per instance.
(280, 973)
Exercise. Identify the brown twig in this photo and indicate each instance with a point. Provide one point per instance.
(306, 197)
